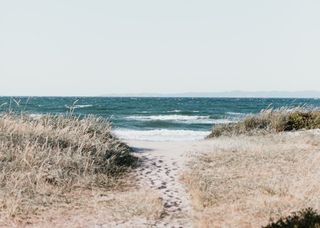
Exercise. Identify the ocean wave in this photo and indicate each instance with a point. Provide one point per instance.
(236, 113)
(167, 117)
(181, 111)
(223, 121)
(78, 106)
(36, 115)
(181, 119)
(160, 135)
(175, 111)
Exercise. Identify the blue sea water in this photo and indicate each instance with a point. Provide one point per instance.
(154, 118)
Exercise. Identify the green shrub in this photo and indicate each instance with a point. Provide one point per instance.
(299, 120)
(268, 121)
(316, 120)
(306, 218)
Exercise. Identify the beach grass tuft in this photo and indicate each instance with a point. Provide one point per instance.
(271, 121)
(44, 158)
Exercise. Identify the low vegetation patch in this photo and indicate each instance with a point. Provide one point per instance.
(244, 181)
(305, 218)
(269, 121)
(43, 159)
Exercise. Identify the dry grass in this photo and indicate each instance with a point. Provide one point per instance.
(134, 208)
(246, 180)
(44, 160)
(271, 121)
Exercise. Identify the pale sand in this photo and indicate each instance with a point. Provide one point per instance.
(251, 179)
(158, 176)
(163, 163)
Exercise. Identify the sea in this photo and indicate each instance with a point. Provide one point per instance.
(154, 118)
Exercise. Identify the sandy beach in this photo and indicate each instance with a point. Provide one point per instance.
(162, 166)
(169, 114)
(241, 181)
(226, 181)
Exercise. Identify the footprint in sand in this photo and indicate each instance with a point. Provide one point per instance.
(159, 172)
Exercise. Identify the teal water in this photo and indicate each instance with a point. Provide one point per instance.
(155, 118)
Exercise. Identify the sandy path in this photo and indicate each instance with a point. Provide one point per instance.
(161, 169)
(162, 164)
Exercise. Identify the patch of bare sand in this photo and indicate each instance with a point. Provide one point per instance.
(162, 164)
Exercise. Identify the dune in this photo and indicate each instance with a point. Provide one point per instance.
(239, 181)
(227, 181)
(246, 181)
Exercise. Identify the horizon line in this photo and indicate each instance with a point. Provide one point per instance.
(226, 94)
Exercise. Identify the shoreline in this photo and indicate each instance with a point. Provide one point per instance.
(226, 181)
(160, 135)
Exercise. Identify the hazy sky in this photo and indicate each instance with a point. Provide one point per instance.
(78, 47)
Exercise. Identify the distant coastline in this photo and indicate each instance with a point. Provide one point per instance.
(228, 94)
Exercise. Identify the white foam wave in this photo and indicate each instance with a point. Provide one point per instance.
(79, 106)
(35, 115)
(208, 121)
(176, 110)
(222, 121)
(236, 113)
(161, 135)
(167, 117)
(181, 119)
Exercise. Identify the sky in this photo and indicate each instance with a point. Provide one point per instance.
(98, 47)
